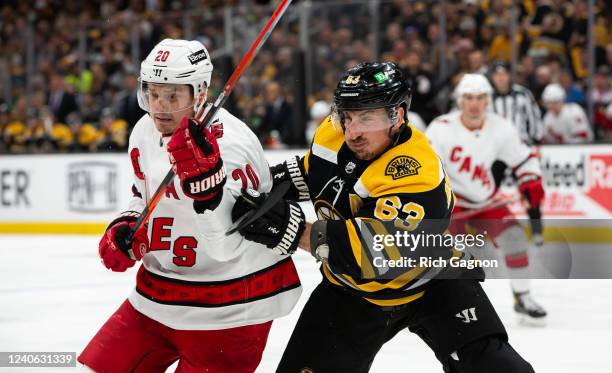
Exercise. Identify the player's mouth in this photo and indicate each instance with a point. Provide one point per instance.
(358, 145)
(163, 119)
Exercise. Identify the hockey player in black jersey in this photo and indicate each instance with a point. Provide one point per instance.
(370, 173)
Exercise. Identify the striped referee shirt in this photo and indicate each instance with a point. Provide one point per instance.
(519, 106)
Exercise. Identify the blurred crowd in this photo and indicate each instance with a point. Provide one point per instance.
(87, 101)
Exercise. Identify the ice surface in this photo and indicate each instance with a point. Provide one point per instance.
(55, 295)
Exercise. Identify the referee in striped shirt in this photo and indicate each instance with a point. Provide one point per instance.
(516, 103)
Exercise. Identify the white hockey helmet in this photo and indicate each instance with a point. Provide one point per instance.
(320, 110)
(473, 84)
(177, 62)
(553, 93)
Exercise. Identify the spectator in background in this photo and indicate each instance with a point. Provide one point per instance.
(422, 85)
(61, 101)
(128, 108)
(564, 123)
(476, 63)
(4, 120)
(275, 129)
(603, 122)
(90, 109)
(602, 92)
(114, 132)
(602, 98)
(87, 138)
(552, 30)
(542, 79)
(573, 92)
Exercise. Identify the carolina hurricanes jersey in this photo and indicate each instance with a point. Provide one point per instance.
(571, 126)
(195, 277)
(468, 156)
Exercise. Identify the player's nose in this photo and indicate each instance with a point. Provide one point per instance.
(351, 133)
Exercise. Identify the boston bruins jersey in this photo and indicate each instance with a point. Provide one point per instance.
(404, 189)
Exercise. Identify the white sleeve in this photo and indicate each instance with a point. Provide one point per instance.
(416, 120)
(516, 154)
(433, 133)
(139, 187)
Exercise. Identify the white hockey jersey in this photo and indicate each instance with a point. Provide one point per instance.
(195, 277)
(571, 126)
(468, 156)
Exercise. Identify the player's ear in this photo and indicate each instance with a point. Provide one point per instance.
(401, 117)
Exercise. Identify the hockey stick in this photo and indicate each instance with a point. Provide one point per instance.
(275, 195)
(227, 89)
(469, 213)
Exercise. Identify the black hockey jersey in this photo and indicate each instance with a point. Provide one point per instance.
(404, 189)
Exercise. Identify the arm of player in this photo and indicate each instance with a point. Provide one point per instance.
(352, 246)
(525, 165)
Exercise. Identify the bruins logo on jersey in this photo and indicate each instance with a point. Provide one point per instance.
(402, 166)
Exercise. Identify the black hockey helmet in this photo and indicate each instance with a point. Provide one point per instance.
(371, 85)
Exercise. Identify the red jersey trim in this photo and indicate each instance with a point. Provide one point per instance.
(262, 284)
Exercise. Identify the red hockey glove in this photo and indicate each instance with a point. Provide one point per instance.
(531, 187)
(114, 249)
(196, 160)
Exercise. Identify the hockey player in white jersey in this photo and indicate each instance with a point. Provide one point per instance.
(201, 297)
(470, 141)
(564, 122)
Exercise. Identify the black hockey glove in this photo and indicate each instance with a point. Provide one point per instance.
(279, 228)
(293, 170)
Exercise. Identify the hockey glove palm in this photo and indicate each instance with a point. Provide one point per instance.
(195, 158)
(116, 253)
(279, 229)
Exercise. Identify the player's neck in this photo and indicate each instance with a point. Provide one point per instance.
(472, 124)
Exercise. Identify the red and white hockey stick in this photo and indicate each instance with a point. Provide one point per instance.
(227, 89)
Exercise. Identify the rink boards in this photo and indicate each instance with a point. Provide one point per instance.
(79, 193)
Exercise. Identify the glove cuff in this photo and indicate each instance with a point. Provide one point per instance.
(204, 187)
(527, 178)
(297, 178)
(293, 171)
(127, 216)
(294, 229)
